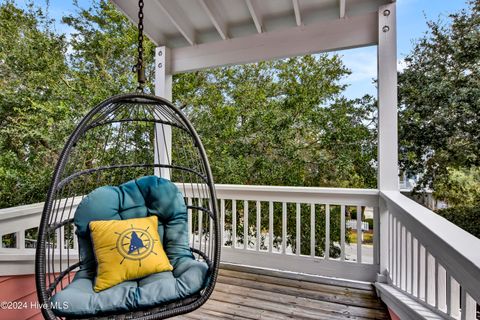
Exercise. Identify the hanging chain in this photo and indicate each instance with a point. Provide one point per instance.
(139, 67)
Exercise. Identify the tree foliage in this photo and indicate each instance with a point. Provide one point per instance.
(460, 187)
(48, 82)
(440, 100)
(466, 217)
(282, 123)
(34, 108)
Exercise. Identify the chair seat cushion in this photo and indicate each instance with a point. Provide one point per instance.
(79, 299)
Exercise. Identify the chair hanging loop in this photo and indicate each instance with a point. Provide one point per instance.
(141, 79)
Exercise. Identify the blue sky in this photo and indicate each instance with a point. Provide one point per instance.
(411, 18)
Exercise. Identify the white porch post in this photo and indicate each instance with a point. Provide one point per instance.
(163, 88)
(387, 99)
(387, 119)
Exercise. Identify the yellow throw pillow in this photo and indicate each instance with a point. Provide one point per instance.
(126, 250)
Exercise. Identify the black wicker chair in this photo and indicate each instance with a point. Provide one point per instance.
(124, 138)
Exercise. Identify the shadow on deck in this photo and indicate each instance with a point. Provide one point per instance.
(244, 293)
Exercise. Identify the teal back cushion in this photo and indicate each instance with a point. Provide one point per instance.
(146, 196)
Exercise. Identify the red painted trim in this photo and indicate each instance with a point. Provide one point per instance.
(393, 315)
(18, 298)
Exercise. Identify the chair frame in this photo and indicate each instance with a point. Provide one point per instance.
(46, 287)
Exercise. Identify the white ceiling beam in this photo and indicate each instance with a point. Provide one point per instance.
(215, 17)
(171, 10)
(329, 35)
(255, 17)
(342, 5)
(296, 9)
(153, 34)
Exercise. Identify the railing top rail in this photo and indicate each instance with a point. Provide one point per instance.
(363, 197)
(19, 211)
(457, 250)
(239, 192)
(26, 210)
(287, 189)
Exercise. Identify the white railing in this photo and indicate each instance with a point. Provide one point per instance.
(19, 257)
(288, 228)
(431, 260)
(425, 258)
(296, 229)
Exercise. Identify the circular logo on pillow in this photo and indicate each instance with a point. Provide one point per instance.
(135, 244)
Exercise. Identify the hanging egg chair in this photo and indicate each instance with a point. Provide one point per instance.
(133, 156)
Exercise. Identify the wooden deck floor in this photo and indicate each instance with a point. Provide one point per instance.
(247, 295)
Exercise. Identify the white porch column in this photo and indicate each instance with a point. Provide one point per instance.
(387, 99)
(387, 120)
(163, 88)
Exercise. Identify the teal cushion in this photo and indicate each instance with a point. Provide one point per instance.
(134, 199)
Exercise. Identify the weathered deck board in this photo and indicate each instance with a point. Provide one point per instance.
(246, 295)
(241, 294)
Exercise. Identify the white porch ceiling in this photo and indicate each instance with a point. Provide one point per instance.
(202, 28)
(180, 23)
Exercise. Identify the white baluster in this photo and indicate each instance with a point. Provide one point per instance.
(430, 279)
(440, 288)
(284, 227)
(189, 218)
(234, 223)
(245, 224)
(415, 269)
(453, 297)
(258, 227)
(422, 273)
(469, 307)
(20, 239)
(298, 225)
(376, 235)
(342, 233)
(222, 221)
(270, 226)
(327, 231)
(359, 234)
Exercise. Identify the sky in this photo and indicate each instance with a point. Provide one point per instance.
(412, 16)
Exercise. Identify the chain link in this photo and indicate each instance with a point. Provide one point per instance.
(139, 67)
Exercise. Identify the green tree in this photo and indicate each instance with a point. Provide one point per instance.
(34, 115)
(47, 83)
(439, 94)
(460, 187)
(103, 50)
(282, 123)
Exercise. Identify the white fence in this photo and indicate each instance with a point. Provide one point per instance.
(296, 229)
